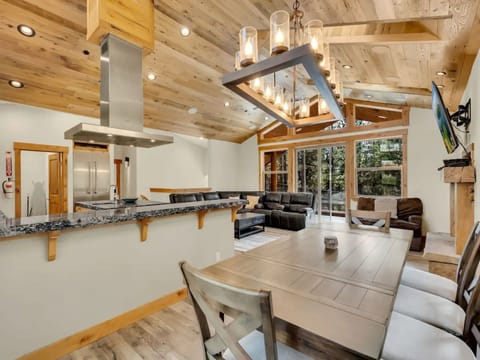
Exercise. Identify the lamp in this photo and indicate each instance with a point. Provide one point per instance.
(289, 104)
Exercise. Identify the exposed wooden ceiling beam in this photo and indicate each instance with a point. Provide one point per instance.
(387, 88)
(380, 33)
(391, 20)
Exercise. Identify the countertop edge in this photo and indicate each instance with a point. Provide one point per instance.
(12, 227)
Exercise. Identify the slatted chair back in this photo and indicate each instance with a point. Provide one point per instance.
(377, 220)
(471, 332)
(467, 266)
(249, 308)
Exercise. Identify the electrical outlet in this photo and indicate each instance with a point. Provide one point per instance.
(217, 256)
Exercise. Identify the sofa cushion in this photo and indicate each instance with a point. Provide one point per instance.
(273, 205)
(301, 209)
(409, 206)
(285, 198)
(252, 201)
(387, 204)
(211, 196)
(302, 199)
(273, 197)
(402, 224)
(181, 198)
(365, 203)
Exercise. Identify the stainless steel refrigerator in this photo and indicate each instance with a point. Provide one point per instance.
(91, 174)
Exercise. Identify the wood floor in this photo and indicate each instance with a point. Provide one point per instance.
(170, 334)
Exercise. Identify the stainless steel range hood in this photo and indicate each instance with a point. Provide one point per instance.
(121, 100)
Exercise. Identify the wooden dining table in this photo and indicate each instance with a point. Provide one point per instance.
(328, 304)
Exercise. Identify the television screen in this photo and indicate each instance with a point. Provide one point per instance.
(443, 120)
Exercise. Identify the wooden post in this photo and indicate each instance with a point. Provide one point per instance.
(144, 228)
(201, 218)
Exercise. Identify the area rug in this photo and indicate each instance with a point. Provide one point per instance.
(259, 239)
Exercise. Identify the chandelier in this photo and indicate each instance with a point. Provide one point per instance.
(302, 55)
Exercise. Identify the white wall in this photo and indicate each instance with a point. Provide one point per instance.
(35, 182)
(223, 165)
(472, 92)
(249, 165)
(424, 155)
(182, 164)
(21, 123)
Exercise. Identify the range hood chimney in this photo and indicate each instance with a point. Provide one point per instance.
(121, 100)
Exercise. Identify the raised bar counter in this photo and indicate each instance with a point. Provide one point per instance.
(11, 227)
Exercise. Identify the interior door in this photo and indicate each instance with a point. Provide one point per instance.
(54, 185)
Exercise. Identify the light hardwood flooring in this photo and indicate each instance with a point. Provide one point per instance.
(170, 334)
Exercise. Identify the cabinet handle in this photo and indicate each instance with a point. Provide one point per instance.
(95, 189)
(89, 179)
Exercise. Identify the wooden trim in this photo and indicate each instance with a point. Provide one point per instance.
(144, 228)
(180, 190)
(63, 163)
(201, 218)
(337, 140)
(40, 147)
(96, 332)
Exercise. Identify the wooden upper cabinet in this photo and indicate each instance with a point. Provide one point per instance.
(131, 20)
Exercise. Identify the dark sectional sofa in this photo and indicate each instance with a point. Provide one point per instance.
(285, 210)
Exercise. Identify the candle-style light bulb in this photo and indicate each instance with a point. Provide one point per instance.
(279, 38)
(285, 107)
(304, 109)
(248, 48)
(314, 43)
(278, 99)
(268, 92)
(256, 84)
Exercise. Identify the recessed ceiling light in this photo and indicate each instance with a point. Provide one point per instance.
(266, 117)
(227, 104)
(152, 140)
(369, 96)
(201, 138)
(26, 30)
(346, 66)
(185, 31)
(109, 135)
(15, 83)
(91, 141)
(441, 73)
(440, 86)
(192, 110)
(151, 76)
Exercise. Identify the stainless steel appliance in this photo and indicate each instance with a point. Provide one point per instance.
(91, 174)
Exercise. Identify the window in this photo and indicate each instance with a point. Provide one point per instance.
(276, 170)
(378, 167)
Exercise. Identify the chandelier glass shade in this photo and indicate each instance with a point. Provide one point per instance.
(304, 63)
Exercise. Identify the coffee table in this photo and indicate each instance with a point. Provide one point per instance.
(248, 223)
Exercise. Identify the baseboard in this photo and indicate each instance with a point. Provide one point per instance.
(76, 341)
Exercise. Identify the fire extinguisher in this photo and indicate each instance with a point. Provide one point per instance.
(8, 185)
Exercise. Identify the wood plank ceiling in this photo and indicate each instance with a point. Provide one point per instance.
(394, 46)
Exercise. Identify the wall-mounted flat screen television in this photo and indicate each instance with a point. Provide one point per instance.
(443, 120)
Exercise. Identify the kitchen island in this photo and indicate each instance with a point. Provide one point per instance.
(102, 277)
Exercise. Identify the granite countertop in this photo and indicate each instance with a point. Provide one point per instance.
(119, 204)
(39, 224)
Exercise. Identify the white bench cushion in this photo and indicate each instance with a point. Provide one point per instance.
(410, 339)
(429, 282)
(254, 345)
(430, 308)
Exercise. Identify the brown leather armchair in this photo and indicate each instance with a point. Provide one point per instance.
(409, 216)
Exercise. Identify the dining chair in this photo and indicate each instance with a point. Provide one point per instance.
(436, 310)
(408, 338)
(250, 309)
(372, 220)
(443, 287)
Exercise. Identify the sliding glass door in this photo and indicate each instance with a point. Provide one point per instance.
(321, 170)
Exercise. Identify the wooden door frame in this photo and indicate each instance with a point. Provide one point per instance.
(62, 152)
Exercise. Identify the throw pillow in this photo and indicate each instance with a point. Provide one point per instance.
(252, 201)
(387, 204)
